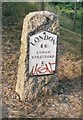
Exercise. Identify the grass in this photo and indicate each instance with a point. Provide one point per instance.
(13, 12)
(65, 21)
(71, 41)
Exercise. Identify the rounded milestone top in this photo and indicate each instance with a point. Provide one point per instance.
(51, 15)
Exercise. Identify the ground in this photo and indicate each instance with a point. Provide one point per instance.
(67, 103)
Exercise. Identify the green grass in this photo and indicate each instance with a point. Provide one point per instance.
(68, 24)
(13, 12)
(72, 42)
(65, 20)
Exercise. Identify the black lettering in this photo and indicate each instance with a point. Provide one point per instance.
(32, 57)
(37, 52)
(42, 52)
(41, 46)
(51, 39)
(41, 37)
(36, 39)
(42, 63)
(40, 56)
(45, 37)
(37, 56)
(45, 56)
(32, 43)
(45, 46)
(48, 51)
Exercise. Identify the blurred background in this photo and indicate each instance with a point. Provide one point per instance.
(69, 13)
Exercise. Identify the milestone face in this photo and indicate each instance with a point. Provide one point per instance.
(42, 53)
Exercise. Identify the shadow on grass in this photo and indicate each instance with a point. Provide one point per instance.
(5, 111)
(69, 86)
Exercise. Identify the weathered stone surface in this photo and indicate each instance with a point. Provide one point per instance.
(30, 88)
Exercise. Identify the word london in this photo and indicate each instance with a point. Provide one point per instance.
(42, 53)
(43, 37)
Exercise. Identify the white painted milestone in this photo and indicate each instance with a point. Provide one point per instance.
(42, 53)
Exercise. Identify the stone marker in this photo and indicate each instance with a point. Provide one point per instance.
(37, 67)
